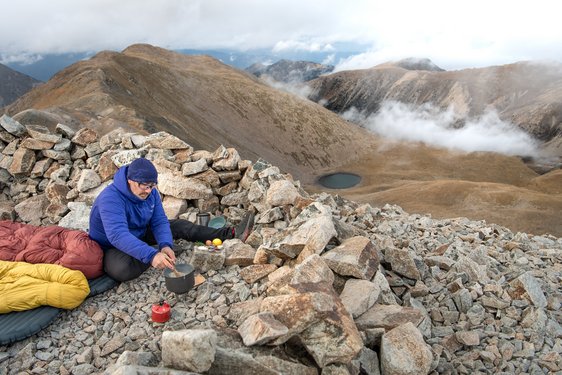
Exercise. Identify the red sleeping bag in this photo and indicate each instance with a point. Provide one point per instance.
(69, 248)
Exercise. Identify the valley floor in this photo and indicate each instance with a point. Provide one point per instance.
(480, 186)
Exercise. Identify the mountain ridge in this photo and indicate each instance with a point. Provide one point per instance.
(207, 103)
(14, 84)
(527, 94)
(109, 87)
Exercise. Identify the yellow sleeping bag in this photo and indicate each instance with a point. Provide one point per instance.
(24, 286)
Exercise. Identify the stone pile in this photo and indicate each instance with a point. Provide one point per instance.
(323, 284)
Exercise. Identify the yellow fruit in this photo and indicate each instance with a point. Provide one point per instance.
(208, 242)
(217, 242)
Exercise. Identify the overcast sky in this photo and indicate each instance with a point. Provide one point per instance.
(453, 34)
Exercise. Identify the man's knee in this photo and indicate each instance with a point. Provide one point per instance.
(122, 267)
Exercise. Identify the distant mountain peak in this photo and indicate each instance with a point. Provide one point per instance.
(290, 71)
(14, 84)
(414, 63)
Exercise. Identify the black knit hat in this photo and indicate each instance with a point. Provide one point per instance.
(142, 170)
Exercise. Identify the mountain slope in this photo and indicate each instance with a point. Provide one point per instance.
(14, 84)
(526, 94)
(207, 103)
(290, 71)
(200, 100)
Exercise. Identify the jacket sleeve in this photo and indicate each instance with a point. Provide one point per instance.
(160, 225)
(114, 219)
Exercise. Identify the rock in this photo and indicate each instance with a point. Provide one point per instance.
(77, 218)
(204, 260)
(42, 133)
(313, 270)
(225, 159)
(164, 140)
(238, 253)
(253, 273)
(526, 285)
(22, 162)
(358, 296)
(475, 272)
(261, 328)
(368, 362)
(126, 157)
(32, 210)
(183, 188)
(112, 345)
(281, 193)
(85, 136)
(174, 207)
(297, 311)
(321, 322)
(228, 361)
(406, 263)
(471, 338)
(36, 144)
(190, 350)
(285, 367)
(388, 317)
(440, 261)
(239, 311)
(137, 359)
(65, 130)
(355, 257)
(89, 179)
(195, 167)
(63, 145)
(12, 126)
(312, 230)
(403, 352)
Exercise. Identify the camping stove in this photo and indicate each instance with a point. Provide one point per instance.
(161, 312)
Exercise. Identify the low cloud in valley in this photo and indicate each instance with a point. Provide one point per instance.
(427, 124)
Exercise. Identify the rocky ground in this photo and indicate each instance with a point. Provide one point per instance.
(323, 285)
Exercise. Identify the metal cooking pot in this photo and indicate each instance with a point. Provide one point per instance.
(180, 283)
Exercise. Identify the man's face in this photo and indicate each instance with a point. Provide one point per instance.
(141, 190)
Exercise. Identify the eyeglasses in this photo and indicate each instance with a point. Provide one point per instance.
(148, 186)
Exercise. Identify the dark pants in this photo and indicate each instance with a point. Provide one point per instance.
(123, 267)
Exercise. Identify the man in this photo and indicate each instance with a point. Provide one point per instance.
(127, 217)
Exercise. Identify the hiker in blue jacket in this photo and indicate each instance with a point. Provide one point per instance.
(127, 218)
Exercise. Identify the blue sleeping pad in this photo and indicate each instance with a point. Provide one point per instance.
(18, 325)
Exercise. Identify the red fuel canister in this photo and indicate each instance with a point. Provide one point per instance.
(161, 312)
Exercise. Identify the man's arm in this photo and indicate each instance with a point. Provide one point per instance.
(160, 225)
(115, 224)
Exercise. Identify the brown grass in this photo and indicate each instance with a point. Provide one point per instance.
(479, 186)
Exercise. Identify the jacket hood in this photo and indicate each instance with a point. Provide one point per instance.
(120, 182)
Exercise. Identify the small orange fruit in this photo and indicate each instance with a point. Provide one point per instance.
(208, 242)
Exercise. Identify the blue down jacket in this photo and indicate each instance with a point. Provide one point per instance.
(119, 219)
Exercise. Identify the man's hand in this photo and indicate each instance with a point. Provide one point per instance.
(169, 252)
(164, 259)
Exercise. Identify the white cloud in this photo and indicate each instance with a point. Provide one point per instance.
(452, 34)
(293, 45)
(429, 125)
(329, 60)
(23, 58)
(299, 89)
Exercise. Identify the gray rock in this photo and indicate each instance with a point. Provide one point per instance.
(403, 351)
(355, 257)
(261, 328)
(190, 350)
(358, 296)
(12, 126)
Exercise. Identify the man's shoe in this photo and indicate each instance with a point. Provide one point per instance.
(244, 228)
